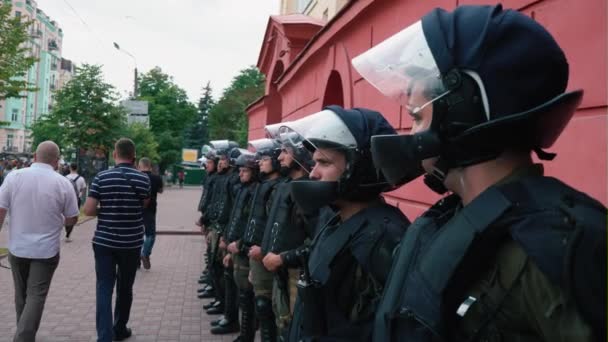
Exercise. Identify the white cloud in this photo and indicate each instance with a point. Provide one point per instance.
(194, 41)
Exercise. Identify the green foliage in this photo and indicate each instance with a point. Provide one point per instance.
(228, 119)
(15, 59)
(84, 115)
(170, 114)
(198, 133)
(145, 143)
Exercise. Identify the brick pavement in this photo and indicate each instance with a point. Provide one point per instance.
(165, 307)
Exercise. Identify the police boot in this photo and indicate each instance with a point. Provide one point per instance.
(206, 292)
(216, 309)
(211, 304)
(217, 277)
(263, 311)
(215, 322)
(248, 324)
(230, 323)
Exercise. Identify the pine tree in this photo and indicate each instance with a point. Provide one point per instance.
(198, 133)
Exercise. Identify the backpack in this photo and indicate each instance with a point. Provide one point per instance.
(73, 181)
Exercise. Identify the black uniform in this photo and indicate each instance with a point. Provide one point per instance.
(348, 266)
(508, 266)
(288, 231)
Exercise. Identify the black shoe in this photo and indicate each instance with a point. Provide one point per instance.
(206, 294)
(205, 288)
(216, 310)
(123, 335)
(216, 322)
(210, 305)
(226, 327)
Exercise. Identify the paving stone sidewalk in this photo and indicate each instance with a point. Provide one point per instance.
(165, 307)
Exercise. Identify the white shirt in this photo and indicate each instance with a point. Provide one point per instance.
(37, 199)
(80, 183)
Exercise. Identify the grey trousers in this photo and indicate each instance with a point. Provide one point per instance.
(32, 278)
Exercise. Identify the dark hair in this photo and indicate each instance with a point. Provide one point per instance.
(125, 148)
(74, 166)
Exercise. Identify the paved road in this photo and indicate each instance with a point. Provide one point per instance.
(165, 307)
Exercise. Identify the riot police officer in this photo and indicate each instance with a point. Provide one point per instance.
(267, 153)
(350, 257)
(211, 160)
(510, 255)
(288, 229)
(236, 263)
(222, 206)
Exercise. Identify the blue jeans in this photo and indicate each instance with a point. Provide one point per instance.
(114, 266)
(150, 232)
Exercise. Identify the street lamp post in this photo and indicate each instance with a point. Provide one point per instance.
(135, 62)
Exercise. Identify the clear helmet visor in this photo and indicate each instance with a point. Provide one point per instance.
(261, 144)
(272, 131)
(262, 147)
(400, 63)
(322, 130)
(220, 144)
(206, 149)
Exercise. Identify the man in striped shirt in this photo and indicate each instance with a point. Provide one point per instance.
(117, 197)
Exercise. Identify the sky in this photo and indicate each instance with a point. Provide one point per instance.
(195, 41)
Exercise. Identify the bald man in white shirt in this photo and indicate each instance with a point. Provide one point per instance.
(40, 202)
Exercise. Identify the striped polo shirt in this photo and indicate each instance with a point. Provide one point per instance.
(120, 221)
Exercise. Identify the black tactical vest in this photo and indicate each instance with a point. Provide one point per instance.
(254, 232)
(222, 200)
(554, 224)
(240, 211)
(207, 194)
(285, 228)
(343, 257)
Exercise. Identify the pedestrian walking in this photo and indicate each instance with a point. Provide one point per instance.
(40, 202)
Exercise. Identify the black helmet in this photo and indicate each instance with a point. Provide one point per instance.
(223, 147)
(487, 72)
(234, 154)
(293, 142)
(267, 148)
(248, 160)
(348, 131)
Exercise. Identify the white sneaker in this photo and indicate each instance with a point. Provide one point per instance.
(67, 239)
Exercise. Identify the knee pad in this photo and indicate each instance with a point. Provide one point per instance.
(263, 307)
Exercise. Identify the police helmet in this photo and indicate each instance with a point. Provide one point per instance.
(487, 72)
(267, 148)
(348, 131)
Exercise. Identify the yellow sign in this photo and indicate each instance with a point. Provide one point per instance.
(189, 155)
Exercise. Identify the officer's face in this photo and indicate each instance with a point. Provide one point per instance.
(266, 164)
(245, 174)
(329, 165)
(286, 157)
(222, 165)
(210, 165)
(421, 119)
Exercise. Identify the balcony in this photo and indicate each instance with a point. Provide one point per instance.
(53, 45)
(34, 33)
(10, 149)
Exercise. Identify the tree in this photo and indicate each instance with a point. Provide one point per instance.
(15, 59)
(197, 134)
(170, 113)
(85, 115)
(228, 119)
(145, 143)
